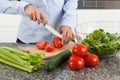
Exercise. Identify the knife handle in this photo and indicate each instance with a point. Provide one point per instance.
(43, 22)
(74, 40)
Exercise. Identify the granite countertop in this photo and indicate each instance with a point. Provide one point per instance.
(108, 69)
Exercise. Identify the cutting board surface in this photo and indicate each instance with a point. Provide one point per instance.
(33, 49)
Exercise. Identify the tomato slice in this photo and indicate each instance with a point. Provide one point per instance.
(80, 50)
(41, 45)
(57, 42)
(91, 60)
(49, 47)
(76, 63)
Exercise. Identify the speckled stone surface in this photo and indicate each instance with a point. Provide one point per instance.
(108, 69)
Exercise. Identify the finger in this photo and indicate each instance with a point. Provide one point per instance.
(67, 40)
(72, 36)
(64, 36)
(69, 37)
(38, 18)
(60, 31)
(34, 17)
(44, 18)
(31, 17)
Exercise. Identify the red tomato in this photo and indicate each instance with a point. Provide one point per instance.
(41, 45)
(49, 47)
(91, 60)
(57, 42)
(76, 63)
(80, 50)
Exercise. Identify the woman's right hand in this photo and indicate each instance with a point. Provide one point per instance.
(35, 14)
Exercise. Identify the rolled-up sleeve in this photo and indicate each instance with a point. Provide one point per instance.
(69, 10)
(12, 7)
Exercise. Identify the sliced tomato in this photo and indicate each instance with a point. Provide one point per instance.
(91, 60)
(76, 63)
(41, 45)
(80, 50)
(49, 47)
(57, 42)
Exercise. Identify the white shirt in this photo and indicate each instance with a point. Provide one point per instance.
(58, 13)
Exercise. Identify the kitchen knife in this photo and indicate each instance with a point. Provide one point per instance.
(53, 31)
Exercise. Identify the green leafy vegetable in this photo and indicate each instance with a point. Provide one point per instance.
(102, 43)
(27, 62)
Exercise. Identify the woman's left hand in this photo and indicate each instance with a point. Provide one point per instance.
(67, 34)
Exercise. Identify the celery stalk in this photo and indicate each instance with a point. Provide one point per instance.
(21, 54)
(21, 60)
(12, 60)
(12, 56)
(14, 65)
(8, 58)
(17, 52)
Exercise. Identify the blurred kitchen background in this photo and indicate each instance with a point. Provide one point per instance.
(99, 4)
(88, 10)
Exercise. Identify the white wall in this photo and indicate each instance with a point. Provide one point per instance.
(89, 15)
(8, 27)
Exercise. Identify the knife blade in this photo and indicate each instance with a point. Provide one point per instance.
(52, 30)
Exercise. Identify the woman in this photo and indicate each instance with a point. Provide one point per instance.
(60, 14)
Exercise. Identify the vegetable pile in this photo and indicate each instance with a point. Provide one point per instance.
(102, 43)
(21, 60)
(82, 58)
(49, 47)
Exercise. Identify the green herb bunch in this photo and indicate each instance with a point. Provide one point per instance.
(102, 43)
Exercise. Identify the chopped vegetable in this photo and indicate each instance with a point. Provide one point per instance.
(102, 43)
(41, 45)
(58, 43)
(49, 47)
(21, 60)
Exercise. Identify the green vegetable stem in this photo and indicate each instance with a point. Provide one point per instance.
(21, 60)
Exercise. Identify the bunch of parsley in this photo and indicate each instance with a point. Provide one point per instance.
(102, 43)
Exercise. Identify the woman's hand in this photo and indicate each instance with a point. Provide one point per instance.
(35, 14)
(67, 34)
